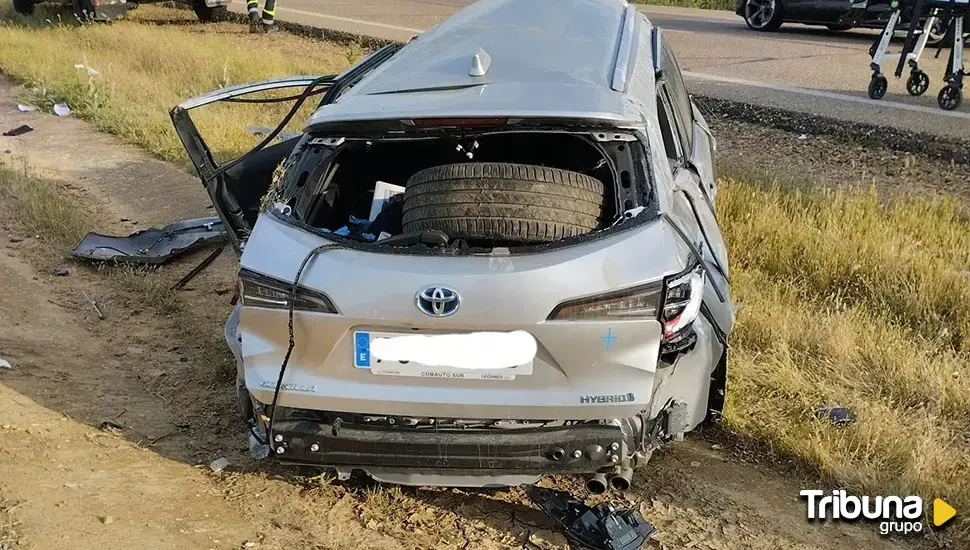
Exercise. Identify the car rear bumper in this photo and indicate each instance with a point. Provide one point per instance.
(482, 452)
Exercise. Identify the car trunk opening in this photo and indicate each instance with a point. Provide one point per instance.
(465, 192)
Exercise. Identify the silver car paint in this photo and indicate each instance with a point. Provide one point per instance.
(548, 58)
(375, 291)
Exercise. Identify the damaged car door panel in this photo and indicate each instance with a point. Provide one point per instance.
(502, 272)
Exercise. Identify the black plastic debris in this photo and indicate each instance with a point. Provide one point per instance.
(61, 272)
(153, 246)
(18, 131)
(602, 527)
(836, 414)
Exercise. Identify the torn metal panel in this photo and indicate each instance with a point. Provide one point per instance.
(152, 246)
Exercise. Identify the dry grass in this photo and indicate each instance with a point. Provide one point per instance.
(850, 301)
(8, 533)
(148, 64)
(41, 205)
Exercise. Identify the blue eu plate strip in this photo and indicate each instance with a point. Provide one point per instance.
(362, 350)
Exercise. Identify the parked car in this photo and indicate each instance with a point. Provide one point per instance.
(837, 15)
(547, 291)
(107, 10)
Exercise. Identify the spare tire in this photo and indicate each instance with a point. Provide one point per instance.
(496, 201)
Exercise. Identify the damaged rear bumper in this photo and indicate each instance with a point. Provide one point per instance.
(386, 448)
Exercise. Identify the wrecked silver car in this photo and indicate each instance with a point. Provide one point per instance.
(491, 255)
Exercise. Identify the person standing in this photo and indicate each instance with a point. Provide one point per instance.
(265, 24)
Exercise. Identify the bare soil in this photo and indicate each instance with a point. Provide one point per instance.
(107, 426)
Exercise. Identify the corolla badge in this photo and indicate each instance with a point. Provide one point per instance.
(437, 301)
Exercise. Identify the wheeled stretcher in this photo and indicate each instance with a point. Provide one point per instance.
(946, 15)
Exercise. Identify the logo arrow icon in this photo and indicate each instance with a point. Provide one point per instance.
(942, 512)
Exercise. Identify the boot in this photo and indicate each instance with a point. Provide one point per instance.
(255, 23)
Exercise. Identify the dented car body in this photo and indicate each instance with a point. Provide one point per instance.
(551, 294)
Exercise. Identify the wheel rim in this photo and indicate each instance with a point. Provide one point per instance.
(919, 83)
(759, 12)
(949, 97)
(878, 87)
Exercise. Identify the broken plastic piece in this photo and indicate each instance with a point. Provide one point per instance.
(4, 364)
(257, 449)
(836, 414)
(219, 464)
(602, 527)
(62, 109)
(26, 108)
(18, 131)
(152, 246)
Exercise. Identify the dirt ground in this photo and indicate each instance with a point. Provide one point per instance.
(107, 427)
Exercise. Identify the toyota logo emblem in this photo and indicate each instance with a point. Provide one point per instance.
(437, 301)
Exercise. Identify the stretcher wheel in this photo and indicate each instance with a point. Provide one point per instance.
(878, 86)
(917, 83)
(949, 98)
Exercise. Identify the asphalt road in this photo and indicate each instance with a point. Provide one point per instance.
(806, 69)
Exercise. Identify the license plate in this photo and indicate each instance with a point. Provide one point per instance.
(471, 344)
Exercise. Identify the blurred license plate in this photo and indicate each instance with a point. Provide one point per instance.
(363, 359)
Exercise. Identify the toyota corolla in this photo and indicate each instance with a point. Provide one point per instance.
(491, 255)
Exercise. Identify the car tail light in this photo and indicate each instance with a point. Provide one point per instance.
(258, 290)
(682, 299)
(641, 302)
(676, 303)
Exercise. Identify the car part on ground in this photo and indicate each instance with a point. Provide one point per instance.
(152, 246)
(18, 131)
(198, 269)
(373, 331)
(504, 202)
(601, 527)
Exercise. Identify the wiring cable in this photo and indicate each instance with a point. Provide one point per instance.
(307, 92)
(292, 340)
